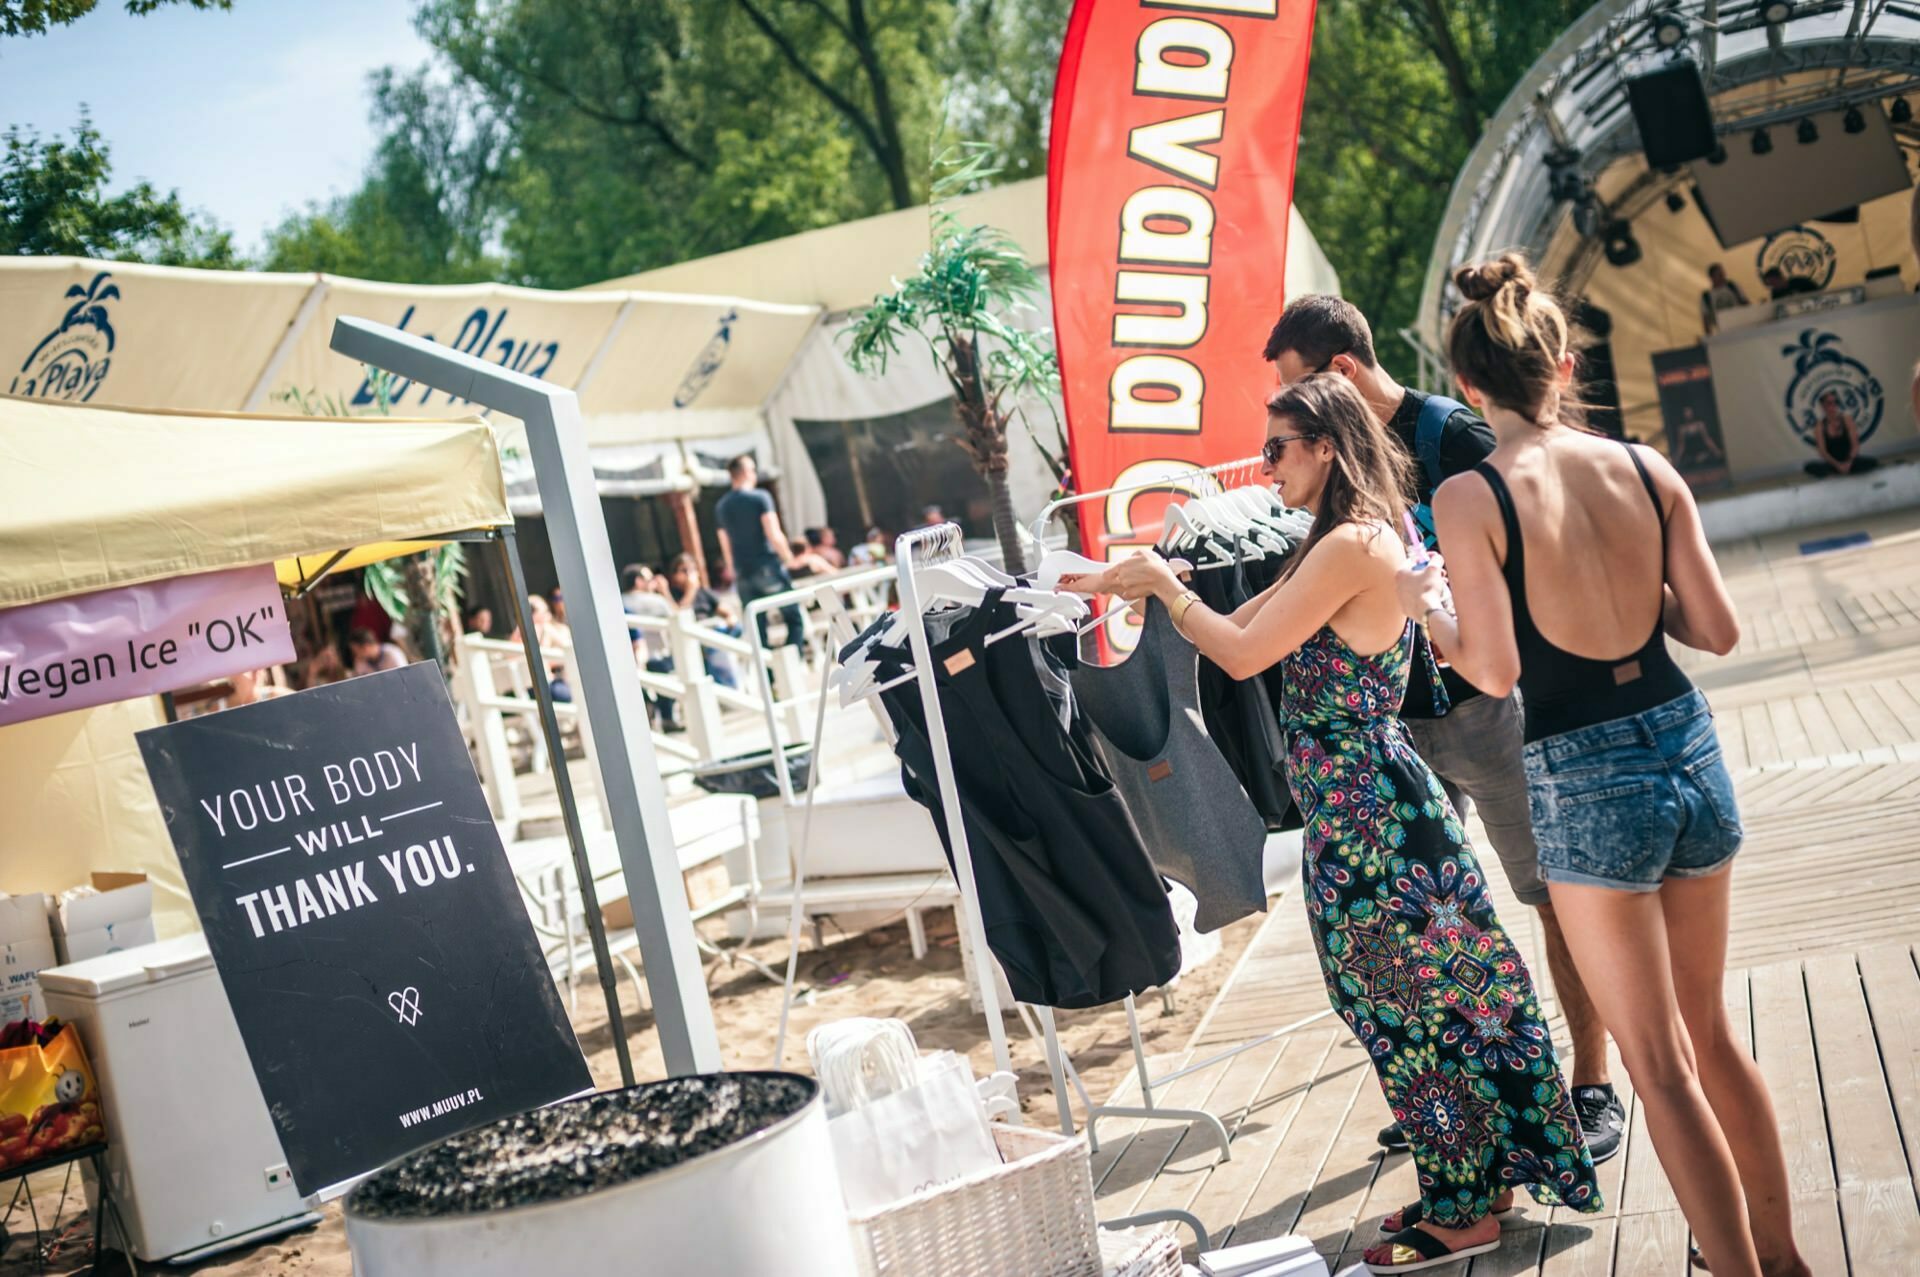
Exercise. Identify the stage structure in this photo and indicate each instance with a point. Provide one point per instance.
(1774, 139)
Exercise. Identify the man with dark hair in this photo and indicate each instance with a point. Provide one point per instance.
(753, 546)
(1473, 746)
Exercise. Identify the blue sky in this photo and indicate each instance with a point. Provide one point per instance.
(248, 114)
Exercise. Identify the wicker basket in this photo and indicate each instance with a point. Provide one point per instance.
(1132, 1252)
(1033, 1217)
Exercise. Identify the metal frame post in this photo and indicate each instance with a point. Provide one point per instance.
(569, 804)
(616, 714)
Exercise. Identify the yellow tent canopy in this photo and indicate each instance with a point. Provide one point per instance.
(102, 497)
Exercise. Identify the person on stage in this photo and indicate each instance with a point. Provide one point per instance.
(1571, 559)
(1414, 959)
(1836, 437)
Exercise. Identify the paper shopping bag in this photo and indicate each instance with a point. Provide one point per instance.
(930, 1134)
(48, 1100)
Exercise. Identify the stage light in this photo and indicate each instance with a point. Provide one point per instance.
(1807, 131)
(1588, 217)
(1565, 181)
(1718, 155)
(1762, 142)
(1774, 12)
(1853, 121)
(1669, 29)
(1676, 202)
(1621, 247)
(1902, 112)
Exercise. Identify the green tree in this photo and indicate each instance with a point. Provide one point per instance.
(1397, 96)
(569, 141)
(36, 17)
(429, 205)
(54, 202)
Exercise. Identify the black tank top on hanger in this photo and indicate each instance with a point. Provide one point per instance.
(1072, 905)
(1239, 713)
(1196, 820)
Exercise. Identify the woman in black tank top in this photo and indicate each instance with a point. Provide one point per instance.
(1632, 805)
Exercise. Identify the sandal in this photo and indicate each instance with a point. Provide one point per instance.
(1411, 1215)
(1412, 1249)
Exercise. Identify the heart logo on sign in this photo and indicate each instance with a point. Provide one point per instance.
(405, 1004)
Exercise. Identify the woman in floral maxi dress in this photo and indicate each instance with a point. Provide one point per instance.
(1414, 959)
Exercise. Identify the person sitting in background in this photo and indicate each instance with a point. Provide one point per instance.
(1836, 437)
(687, 594)
(932, 516)
(550, 634)
(806, 562)
(370, 655)
(825, 542)
(875, 549)
(479, 621)
(643, 596)
(559, 606)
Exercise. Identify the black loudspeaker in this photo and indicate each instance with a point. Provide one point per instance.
(1670, 106)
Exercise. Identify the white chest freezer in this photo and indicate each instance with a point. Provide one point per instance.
(195, 1161)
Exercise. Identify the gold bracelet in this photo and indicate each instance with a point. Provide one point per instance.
(1181, 606)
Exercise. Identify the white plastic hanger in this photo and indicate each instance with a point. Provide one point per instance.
(1182, 527)
(1059, 563)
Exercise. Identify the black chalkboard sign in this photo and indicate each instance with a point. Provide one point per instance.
(361, 912)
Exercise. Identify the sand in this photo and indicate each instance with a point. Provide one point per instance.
(870, 973)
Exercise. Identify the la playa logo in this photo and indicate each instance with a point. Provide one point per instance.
(1799, 252)
(72, 361)
(707, 362)
(1830, 389)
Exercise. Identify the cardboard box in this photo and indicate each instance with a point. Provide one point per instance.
(26, 949)
(119, 917)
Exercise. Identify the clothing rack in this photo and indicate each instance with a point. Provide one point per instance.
(914, 551)
(1199, 481)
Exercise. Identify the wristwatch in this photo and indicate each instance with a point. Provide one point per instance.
(1181, 606)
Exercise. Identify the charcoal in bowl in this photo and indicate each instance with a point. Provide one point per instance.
(581, 1146)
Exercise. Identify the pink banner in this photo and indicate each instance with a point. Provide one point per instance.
(139, 640)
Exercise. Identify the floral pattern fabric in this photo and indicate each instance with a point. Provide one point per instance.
(1415, 961)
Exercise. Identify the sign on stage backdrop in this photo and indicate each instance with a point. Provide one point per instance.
(1844, 372)
(1175, 128)
(364, 920)
(139, 640)
(1695, 444)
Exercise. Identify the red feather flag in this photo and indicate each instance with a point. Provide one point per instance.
(1170, 179)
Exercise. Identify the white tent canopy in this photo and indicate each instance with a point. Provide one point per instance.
(842, 268)
(703, 357)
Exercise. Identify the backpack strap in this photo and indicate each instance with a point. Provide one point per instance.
(1427, 433)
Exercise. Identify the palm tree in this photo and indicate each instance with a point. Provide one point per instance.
(971, 282)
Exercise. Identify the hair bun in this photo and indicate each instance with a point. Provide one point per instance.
(1484, 281)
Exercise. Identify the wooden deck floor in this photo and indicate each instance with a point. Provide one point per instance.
(1819, 711)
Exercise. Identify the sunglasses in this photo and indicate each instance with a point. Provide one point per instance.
(1272, 450)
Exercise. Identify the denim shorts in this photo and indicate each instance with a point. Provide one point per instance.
(1631, 802)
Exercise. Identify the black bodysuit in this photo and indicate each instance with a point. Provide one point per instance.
(1563, 692)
